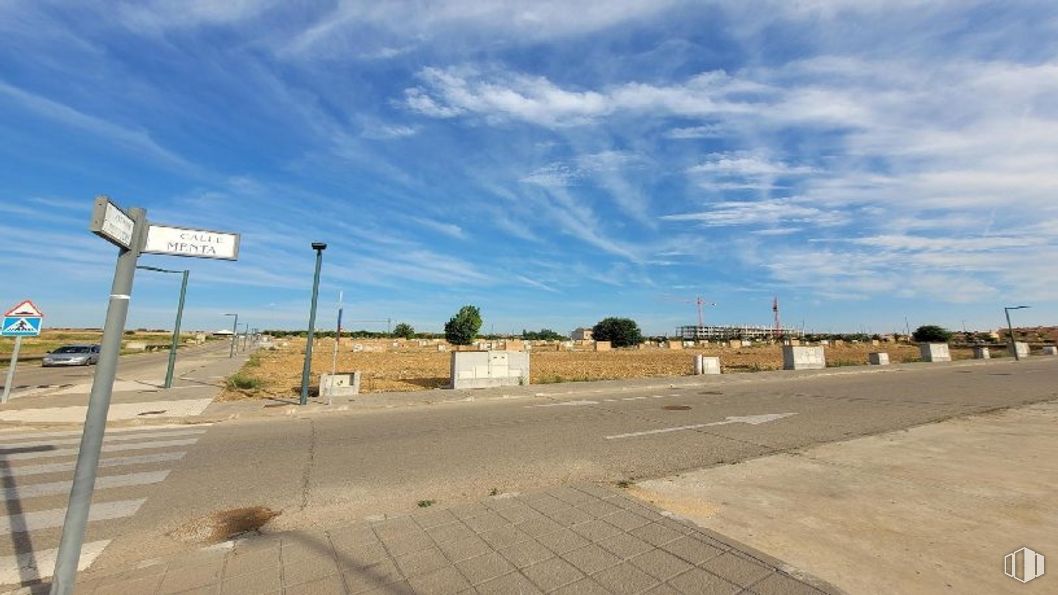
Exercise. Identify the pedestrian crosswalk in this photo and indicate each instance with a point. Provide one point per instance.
(36, 472)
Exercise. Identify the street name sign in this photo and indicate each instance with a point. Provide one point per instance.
(111, 223)
(24, 320)
(197, 243)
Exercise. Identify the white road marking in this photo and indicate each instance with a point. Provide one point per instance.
(567, 404)
(35, 565)
(748, 419)
(49, 519)
(119, 438)
(102, 483)
(69, 452)
(25, 470)
(14, 434)
(610, 400)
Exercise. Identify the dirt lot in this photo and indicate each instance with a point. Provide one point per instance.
(411, 367)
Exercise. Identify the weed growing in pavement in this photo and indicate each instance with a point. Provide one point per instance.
(426, 503)
(624, 483)
(241, 382)
(494, 492)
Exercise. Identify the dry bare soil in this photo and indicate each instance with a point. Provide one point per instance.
(411, 367)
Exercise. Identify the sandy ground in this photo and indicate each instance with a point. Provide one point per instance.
(411, 367)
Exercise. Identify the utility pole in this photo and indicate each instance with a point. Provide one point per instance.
(306, 370)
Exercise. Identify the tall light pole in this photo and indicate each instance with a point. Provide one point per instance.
(319, 247)
(176, 326)
(234, 334)
(1010, 330)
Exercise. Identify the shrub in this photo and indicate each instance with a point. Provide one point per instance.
(463, 327)
(620, 332)
(931, 333)
(242, 382)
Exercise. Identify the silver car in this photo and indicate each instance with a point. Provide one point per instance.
(72, 355)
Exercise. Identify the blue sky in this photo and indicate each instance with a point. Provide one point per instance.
(551, 162)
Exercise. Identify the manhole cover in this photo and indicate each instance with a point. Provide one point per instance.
(676, 407)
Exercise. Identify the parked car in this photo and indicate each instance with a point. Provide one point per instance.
(72, 355)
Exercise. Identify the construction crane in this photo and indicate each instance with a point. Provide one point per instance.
(698, 301)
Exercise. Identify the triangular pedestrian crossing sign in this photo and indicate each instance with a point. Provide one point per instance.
(26, 308)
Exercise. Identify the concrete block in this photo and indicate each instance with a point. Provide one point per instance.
(135, 346)
(483, 369)
(793, 342)
(674, 344)
(602, 346)
(875, 342)
(706, 365)
(746, 343)
(982, 353)
(1050, 350)
(825, 343)
(934, 352)
(734, 343)
(514, 345)
(441, 348)
(1023, 349)
(340, 384)
(879, 358)
(803, 358)
(688, 344)
(357, 348)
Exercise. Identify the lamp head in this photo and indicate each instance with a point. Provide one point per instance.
(319, 246)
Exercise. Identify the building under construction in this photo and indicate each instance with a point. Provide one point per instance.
(723, 333)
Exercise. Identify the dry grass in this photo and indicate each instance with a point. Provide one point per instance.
(50, 339)
(412, 368)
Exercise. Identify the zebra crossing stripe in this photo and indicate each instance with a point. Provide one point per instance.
(16, 446)
(16, 435)
(25, 470)
(102, 483)
(35, 565)
(69, 452)
(49, 519)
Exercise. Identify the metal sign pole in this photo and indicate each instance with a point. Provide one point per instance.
(11, 370)
(73, 530)
(176, 333)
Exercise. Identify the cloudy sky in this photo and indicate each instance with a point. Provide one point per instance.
(551, 162)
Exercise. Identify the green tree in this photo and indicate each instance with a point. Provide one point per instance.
(463, 327)
(404, 330)
(620, 332)
(931, 333)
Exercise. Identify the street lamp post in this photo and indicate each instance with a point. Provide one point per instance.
(319, 247)
(176, 326)
(1010, 330)
(234, 334)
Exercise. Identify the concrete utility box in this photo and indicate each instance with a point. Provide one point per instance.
(341, 384)
(879, 358)
(747, 343)
(1023, 349)
(483, 369)
(825, 343)
(706, 365)
(135, 346)
(1050, 350)
(675, 344)
(734, 343)
(602, 346)
(803, 358)
(934, 352)
(982, 353)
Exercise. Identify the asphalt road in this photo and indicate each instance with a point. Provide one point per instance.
(31, 375)
(336, 468)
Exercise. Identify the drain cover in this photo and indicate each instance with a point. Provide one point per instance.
(676, 407)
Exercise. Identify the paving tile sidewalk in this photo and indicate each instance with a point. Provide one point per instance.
(580, 539)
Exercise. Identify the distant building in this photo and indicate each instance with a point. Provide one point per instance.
(223, 333)
(581, 334)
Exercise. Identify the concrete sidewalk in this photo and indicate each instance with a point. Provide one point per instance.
(927, 510)
(582, 539)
